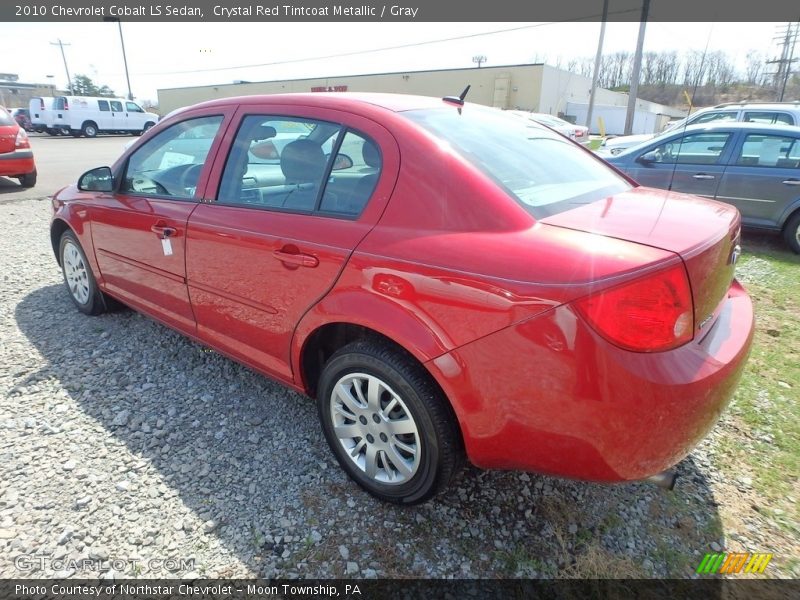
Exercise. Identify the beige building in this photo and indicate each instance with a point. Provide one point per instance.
(17, 94)
(533, 87)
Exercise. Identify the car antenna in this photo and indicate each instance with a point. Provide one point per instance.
(458, 99)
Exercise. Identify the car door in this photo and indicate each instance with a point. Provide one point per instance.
(117, 116)
(139, 230)
(284, 221)
(105, 120)
(692, 163)
(134, 117)
(763, 177)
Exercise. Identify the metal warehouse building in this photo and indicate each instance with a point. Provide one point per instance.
(532, 87)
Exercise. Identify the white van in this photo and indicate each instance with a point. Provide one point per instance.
(42, 115)
(83, 115)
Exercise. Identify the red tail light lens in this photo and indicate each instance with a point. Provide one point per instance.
(22, 139)
(648, 315)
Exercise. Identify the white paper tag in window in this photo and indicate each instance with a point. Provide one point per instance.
(166, 246)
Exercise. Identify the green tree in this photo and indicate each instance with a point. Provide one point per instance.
(82, 85)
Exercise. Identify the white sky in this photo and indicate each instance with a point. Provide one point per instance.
(157, 52)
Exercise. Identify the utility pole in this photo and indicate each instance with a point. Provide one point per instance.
(597, 59)
(124, 57)
(637, 65)
(788, 40)
(61, 45)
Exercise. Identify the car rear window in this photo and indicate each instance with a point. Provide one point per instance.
(5, 118)
(543, 171)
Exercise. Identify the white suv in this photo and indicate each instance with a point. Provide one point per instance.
(780, 113)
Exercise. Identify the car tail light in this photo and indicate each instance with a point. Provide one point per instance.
(648, 315)
(579, 133)
(22, 140)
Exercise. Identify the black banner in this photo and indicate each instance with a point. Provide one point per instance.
(403, 11)
(152, 589)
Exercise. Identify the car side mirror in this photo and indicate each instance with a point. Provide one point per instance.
(648, 157)
(97, 180)
(342, 162)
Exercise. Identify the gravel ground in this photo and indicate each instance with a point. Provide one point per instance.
(123, 443)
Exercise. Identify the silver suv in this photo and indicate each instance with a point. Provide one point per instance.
(765, 113)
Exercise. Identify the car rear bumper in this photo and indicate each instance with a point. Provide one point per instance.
(549, 395)
(19, 162)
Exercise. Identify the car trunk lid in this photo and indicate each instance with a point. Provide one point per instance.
(705, 234)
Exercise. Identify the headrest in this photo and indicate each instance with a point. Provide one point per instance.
(371, 155)
(303, 161)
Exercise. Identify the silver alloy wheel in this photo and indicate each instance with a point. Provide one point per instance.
(375, 428)
(76, 273)
(797, 234)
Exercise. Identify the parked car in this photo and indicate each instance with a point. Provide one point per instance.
(456, 283)
(771, 113)
(88, 116)
(754, 167)
(576, 133)
(16, 156)
(22, 117)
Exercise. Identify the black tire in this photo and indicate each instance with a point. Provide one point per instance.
(791, 232)
(28, 180)
(147, 126)
(416, 400)
(89, 129)
(80, 282)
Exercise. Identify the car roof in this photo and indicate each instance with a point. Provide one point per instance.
(342, 100)
(733, 126)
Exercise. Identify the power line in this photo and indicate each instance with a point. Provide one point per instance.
(381, 49)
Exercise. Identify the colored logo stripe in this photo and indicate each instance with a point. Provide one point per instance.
(733, 563)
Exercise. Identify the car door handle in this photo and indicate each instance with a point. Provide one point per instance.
(703, 176)
(791, 182)
(164, 231)
(298, 259)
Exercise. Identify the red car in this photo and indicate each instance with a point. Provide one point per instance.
(16, 156)
(448, 281)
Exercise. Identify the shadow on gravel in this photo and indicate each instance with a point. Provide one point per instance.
(246, 457)
(9, 186)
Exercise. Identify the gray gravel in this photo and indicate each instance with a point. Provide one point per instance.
(128, 447)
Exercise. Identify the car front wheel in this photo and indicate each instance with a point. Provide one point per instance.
(78, 276)
(387, 423)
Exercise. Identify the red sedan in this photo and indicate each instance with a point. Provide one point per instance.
(16, 156)
(448, 281)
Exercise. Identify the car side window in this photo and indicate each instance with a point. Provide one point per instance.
(133, 107)
(169, 164)
(693, 149)
(102, 105)
(759, 150)
(116, 106)
(714, 117)
(355, 174)
(278, 163)
(768, 117)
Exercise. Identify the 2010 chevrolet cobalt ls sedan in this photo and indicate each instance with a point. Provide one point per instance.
(450, 282)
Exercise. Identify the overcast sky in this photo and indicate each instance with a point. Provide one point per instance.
(163, 55)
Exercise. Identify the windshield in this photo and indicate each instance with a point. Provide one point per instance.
(543, 171)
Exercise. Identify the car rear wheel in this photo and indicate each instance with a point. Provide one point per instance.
(89, 129)
(28, 180)
(147, 126)
(78, 276)
(387, 423)
(791, 232)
